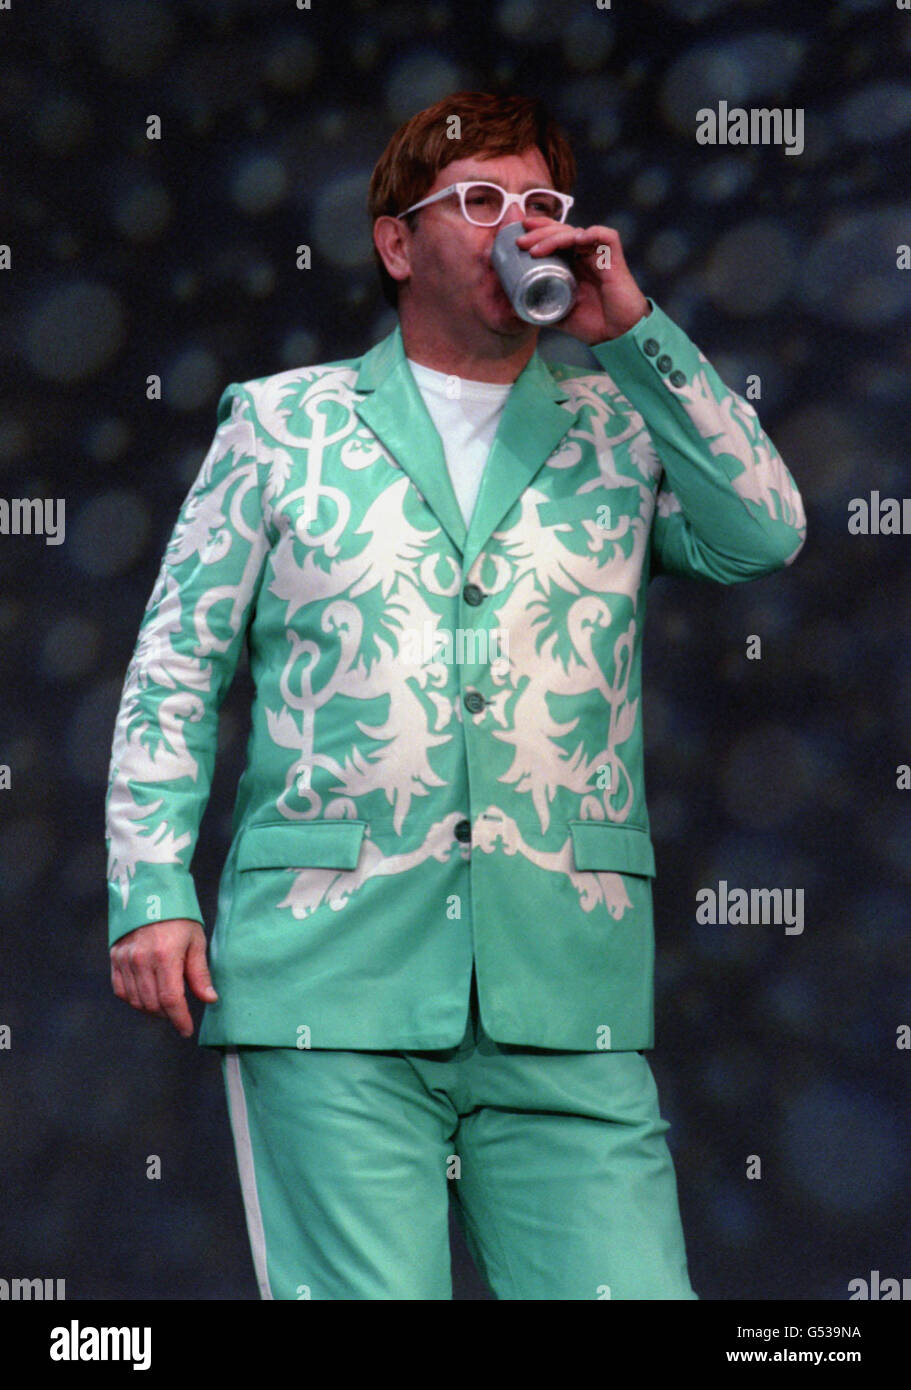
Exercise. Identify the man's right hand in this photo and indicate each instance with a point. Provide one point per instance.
(148, 967)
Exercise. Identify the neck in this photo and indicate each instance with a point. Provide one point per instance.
(500, 357)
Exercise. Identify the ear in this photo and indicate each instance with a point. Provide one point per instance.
(392, 239)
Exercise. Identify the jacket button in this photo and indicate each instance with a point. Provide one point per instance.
(650, 347)
(463, 830)
(473, 595)
(664, 363)
(677, 378)
(474, 701)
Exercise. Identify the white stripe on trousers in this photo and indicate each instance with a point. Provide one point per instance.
(243, 1146)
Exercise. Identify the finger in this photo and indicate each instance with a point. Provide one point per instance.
(583, 241)
(544, 239)
(590, 236)
(198, 977)
(598, 234)
(536, 226)
(172, 1000)
(117, 984)
(142, 966)
(129, 983)
(148, 983)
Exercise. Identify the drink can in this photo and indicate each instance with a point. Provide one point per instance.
(541, 289)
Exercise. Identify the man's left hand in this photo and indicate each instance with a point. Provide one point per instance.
(609, 301)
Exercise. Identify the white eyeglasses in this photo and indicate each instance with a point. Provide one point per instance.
(485, 204)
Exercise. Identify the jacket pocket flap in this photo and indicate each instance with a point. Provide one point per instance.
(603, 845)
(601, 505)
(315, 844)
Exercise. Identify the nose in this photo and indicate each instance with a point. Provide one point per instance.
(513, 213)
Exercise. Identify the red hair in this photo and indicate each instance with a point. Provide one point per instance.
(488, 125)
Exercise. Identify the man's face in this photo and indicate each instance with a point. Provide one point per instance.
(452, 283)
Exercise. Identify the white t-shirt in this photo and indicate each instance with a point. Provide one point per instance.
(466, 415)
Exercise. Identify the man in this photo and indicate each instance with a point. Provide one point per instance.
(433, 950)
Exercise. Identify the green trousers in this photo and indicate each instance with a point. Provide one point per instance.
(563, 1181)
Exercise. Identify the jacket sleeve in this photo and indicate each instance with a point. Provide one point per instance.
(727, 507)
(189, 642)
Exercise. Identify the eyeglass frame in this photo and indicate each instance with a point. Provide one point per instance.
(510, 198)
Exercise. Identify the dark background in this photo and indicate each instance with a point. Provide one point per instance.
(177, 257)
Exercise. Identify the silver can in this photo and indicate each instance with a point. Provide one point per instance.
(541, 289)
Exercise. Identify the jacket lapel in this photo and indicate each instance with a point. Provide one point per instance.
(531, 426)
(393, 408)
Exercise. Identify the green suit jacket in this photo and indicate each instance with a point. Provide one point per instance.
(445, 757)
